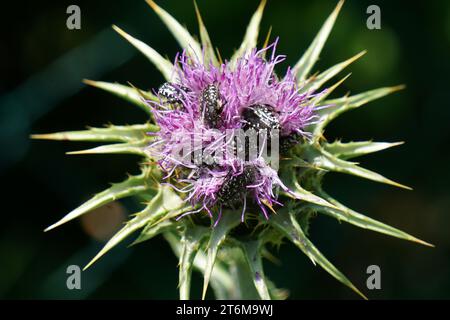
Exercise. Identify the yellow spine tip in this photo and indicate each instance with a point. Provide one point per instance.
(152, 4)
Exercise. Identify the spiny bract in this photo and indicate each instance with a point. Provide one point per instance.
(205, 93)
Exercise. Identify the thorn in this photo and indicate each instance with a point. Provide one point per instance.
(360, 293)
(340, 81)
(53, 226)
(338, 6)
(262, 4)
(197, 12)
(79, 152)
(264, 201)
(269, 256)
(153, 5)
(219, 56)
(139, 91)
(427, 244)
(400, 185)
(122, 33)
(398, 88)
(87, 266)
(90, 82)
(45, 136)
(266, 42)
(312, 77)
(358, 55)
(395, 144)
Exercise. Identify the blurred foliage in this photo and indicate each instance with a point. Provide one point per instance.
(42, 64)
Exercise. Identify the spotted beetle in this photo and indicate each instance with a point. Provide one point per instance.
(172, 94)
(211, 106)
(235, 187)
(260, 117)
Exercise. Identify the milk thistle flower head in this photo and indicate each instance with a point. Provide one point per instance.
(201, 112)
(209, 185)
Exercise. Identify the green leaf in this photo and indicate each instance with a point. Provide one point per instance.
(298, 192)
(251, 35)
(108, 134)
(152, 230)
(190, 243)
(127, 93)
(303, 67)
(285, 222)
(229, 220)
(318, 81)
(166, 200)
(137, 148)
(210, 55)
(180, 33)
(305, 195)
(221, 280)
(341, 105)
(362, 221)
(266, 43)
(240, 271)
(349, 150)
(330, 162)
(319, 98)
(162, 64)
(130, 187)
(253, 257)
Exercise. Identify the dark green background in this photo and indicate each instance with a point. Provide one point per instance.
(42, 64)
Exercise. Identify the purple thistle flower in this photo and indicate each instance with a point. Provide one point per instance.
(188, 138)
